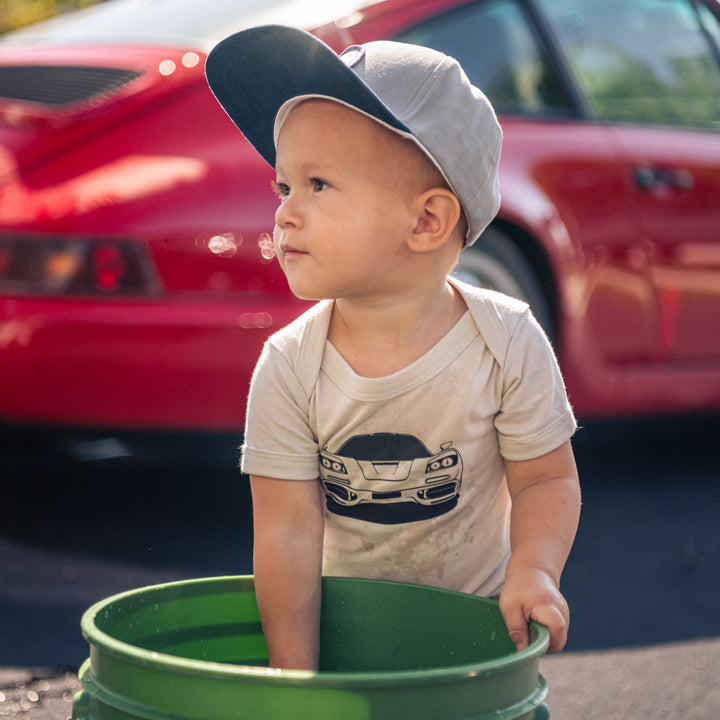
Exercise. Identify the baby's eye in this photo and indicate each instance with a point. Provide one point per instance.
(280, 189)
(319, 185)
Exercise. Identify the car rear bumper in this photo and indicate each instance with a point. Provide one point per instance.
(131, 364)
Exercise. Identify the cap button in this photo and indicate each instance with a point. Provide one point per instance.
(353, 55)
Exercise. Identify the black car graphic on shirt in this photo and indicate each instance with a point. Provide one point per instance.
(390, 478)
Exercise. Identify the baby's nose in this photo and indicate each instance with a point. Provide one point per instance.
(288, 212)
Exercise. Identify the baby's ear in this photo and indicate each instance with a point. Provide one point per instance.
(437, 213)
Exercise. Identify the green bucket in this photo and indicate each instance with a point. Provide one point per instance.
(195, 649)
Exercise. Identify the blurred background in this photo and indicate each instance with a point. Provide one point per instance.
(80, 523)
(15, 14)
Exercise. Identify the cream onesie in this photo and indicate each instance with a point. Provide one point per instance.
(411, 464)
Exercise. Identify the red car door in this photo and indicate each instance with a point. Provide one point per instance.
(651, 72)
(678, 192)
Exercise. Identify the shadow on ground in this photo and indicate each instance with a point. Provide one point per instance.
(85, 517)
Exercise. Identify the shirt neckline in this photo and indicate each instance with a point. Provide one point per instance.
(436, 359)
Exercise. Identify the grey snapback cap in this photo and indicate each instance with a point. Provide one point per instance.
(259, 74)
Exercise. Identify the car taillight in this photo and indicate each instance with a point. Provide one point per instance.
(74, 266)
(109, 267)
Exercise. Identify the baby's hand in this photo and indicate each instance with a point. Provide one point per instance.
(531, 594)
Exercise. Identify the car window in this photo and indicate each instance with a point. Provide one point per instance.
(384, 446)
(645, 61)
(501, 54)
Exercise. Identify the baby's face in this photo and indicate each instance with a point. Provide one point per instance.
(346, 204)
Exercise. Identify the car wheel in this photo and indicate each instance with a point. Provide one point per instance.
(495, 262)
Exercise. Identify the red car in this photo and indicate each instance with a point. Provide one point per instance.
(134, 294)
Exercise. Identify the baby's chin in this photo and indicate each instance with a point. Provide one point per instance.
(303, 290)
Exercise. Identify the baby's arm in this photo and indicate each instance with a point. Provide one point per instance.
(288, 541)
(545, 496)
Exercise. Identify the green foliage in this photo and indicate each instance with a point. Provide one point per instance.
(19, 13)
(685, 91)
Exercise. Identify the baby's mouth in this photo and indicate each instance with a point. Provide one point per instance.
(284, 247)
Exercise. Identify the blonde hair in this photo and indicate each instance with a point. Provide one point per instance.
(412, 166)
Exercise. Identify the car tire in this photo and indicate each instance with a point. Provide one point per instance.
(495, 262)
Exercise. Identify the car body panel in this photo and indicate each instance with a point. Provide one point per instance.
(187, 357)
(622, 218)
(679, 207)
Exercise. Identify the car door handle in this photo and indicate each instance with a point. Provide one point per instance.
(651, 178)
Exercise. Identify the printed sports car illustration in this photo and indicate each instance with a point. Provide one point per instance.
(387, 469)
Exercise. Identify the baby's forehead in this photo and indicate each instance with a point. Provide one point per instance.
(323, 111)
(323, 116)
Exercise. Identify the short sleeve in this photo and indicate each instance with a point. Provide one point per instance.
(279, 440)
(535, 416)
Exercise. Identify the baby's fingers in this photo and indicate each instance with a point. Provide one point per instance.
(517, 624)
(556, 621)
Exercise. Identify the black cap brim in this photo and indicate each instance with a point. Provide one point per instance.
(254, 72)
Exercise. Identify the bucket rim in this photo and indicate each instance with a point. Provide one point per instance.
(135, 655)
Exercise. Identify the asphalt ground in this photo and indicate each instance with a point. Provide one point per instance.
(643, 582)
